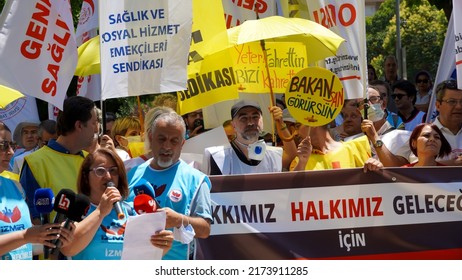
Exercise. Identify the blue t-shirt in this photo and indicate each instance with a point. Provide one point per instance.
(107, 244)
(14, 216)
(179, 187)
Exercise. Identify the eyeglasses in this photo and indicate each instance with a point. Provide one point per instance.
(101, 171)
(6, 145)
(397, 95)
(452, 102)
(374, 99)
(422, 81)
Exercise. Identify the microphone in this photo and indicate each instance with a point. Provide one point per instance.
(73, 206)
(44, 200)
(80, 209)
(117, 206)
(143, 203)
(63, 202)
(144, 187)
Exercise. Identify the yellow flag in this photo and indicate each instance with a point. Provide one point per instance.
(210, 71)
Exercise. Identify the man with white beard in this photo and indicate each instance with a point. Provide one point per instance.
(246, 152)
(182, 191)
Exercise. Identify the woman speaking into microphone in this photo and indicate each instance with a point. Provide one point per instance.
(100, 235)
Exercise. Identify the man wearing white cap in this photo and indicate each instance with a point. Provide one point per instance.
(247, 153)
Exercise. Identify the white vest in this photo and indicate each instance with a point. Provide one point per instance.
(229, 163)
(411, 124)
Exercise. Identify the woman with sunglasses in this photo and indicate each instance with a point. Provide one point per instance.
(17, 243)
(101, 231)
(424, 86)
(7, 149)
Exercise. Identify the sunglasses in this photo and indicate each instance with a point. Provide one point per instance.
(6, 145)
(422, 81)
(397, 95)
(101, 171)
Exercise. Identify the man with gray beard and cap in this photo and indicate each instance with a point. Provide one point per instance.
(246, 152)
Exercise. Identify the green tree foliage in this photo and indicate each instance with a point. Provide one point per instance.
(376, 30)
(76, 5)
(423, 28)
(445, 5)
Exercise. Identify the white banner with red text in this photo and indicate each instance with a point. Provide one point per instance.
(397, 213)
(236, 12)
(347, 19)
(38, 49)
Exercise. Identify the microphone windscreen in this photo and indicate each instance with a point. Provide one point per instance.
(143, 203)
(79, 210)
(64, 201)
(44, 200)
(144, 187)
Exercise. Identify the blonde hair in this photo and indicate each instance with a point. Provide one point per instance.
(122, 125)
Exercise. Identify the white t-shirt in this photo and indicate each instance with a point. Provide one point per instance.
(454, 139)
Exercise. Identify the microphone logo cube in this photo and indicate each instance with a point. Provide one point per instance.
(43, 201)
(64, 202)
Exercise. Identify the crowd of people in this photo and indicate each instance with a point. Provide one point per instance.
(105, 162)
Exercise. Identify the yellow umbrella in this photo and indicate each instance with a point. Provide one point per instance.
(8, 95)
(320, 42)
(89, 62)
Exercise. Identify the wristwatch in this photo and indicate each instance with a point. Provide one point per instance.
(378, 144)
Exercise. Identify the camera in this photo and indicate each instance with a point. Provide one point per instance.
(197, 123)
